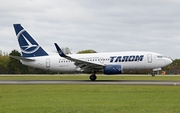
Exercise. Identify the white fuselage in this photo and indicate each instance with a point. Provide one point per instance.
(128, 60)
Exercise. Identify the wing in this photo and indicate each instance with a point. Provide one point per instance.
(83, 64)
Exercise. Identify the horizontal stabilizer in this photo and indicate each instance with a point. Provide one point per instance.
(22, 58)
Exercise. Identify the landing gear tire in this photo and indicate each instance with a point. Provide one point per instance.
(93, 77)
(153, 74)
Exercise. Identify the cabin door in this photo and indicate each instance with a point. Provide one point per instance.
(149, 58)
(48, 63)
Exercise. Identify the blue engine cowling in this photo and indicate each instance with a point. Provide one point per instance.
(113, 69)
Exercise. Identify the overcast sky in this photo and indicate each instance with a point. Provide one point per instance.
(101, 25)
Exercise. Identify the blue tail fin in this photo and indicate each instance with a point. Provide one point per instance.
(29, 47)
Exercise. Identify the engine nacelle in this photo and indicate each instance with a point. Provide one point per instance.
(113, 69)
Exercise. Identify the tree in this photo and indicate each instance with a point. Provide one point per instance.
(4, 61)
(15, 66)
(86, 51)
(0, 53)
(173, 68)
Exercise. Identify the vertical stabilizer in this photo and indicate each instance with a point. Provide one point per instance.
(29, 47)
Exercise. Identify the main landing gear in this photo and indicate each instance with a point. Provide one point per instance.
(93, 76)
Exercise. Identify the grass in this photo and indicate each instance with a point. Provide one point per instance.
(89, 98)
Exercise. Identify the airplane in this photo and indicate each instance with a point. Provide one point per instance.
(109, 63)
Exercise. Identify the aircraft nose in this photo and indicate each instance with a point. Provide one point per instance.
(168, 61)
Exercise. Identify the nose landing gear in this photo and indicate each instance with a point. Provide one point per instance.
(154, 71)
(153, 74)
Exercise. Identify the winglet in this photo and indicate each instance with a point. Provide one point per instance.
(60, 52)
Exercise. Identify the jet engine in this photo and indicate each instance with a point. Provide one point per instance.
(113, 69)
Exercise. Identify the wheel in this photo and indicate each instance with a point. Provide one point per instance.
(93, 77)
(153, 74)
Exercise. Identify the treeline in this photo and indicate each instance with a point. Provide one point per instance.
(12, 66)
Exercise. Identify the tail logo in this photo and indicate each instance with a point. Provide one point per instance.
(26, 45)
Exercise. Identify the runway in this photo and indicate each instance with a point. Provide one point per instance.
(120, 82)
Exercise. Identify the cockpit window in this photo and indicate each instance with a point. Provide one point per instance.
(159, 56)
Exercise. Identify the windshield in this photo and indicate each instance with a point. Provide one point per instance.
(160, 56)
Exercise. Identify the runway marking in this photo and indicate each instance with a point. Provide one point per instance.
(121, 82)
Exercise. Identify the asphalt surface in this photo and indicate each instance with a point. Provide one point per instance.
(121, 82)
